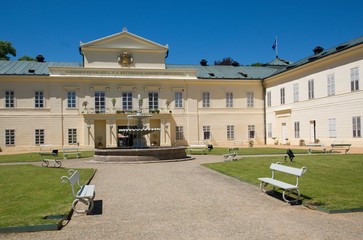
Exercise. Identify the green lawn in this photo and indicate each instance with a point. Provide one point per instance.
(29, 193)
(258, 151)
(34, 157)
(332, 182)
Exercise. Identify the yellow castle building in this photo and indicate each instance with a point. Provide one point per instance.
(87, 104)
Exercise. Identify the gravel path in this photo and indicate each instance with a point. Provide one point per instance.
(184, 200)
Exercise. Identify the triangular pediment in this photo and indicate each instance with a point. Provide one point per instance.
(124, 40)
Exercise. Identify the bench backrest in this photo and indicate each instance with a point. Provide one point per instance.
(286, 169)
(72, 179)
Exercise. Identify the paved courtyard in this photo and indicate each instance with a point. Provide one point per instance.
(184, 200)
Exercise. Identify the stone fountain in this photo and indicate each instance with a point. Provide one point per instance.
(140, 151)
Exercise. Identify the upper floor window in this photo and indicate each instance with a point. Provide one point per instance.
(153, 100)
(250, 99)
(71, 99)
(282, 95)
(354, 79)
(9, 137)
(126, 101)
(9, 99)
(229, 99)
(178, 99)
(206, 99)
(357, 130)
(39, 136)
(311, 88)
(331, 84)
(39, 99)
(100, 103)
(296, 92)
(268, 99)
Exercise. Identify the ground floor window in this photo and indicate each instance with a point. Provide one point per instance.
(72, 136)
(269, 130)
(356, 127)
(297, 129)
(332, 128)
(206, 132)
(9, 137)
(251, 131)
(39, 136)
(179, 133)
(230, 132)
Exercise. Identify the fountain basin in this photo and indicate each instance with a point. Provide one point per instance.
(140, 154)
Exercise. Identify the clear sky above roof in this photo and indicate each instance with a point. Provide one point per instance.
(193, 29)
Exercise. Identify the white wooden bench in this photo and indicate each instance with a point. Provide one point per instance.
(310, 145)
(200, 148)
(231, 155)
(70, 151)
(287, 187)
(46, 160)
(85, 194)
(340, 146)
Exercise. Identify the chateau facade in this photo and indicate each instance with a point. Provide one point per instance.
(87, 104)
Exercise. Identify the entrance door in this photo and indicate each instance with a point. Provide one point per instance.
(312, 131)
(284, 133)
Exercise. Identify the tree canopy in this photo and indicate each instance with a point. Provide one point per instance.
(6, 48)
(26, 58)
(227, 61)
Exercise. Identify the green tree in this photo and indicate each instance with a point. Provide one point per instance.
(6, 48)
(257, 64)
(227, 61)
(26, 58)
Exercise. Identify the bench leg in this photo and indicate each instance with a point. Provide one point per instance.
(87, 205)
(288, 192)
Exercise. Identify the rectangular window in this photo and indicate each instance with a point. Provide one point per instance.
(127, 101)
(311, 88)
(178, 99)
(282, 95)
(206, 132)
(331, 84)
(229, 99)
(9, 99)
(179, 133)
(39, 99)
(332, 128)
(296, 92)
(268, 99)
(206, 99)
(250, 100)
(71, 99)
(9, 137)
(297, 129)
(251, 131)
(269, 130)
(153, 100)
(230, 132)
(357, 127)
(39, 136)
(354, 79)
(100, 103)
(72, 136)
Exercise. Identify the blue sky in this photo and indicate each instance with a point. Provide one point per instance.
(193, 29)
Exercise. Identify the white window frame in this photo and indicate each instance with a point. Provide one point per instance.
(311, 89)
(230, 132)
(206, 133)
(178, 102)
(296, 92)
(331, 84)
(332, 128)
(268, 96)
(153, 100)
(269, 130)
(9, 99)
(9, 137)
(282, 96)
(206, 99)
(72, 136)
(126, 101)
(100, 102)
(251, 132)
(39, 99)
(250, 100)
(354, 79)
(71, 99)
(357, 127)
(179, 133)
(229, 99)
(297, 129)
(39, 136)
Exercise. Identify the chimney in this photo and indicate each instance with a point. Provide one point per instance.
(318, 50)
(203, 62)
(40, 58)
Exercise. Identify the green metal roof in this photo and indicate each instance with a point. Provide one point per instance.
(31, 67)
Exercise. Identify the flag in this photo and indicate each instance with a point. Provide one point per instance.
(274, 45)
